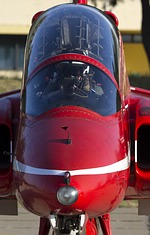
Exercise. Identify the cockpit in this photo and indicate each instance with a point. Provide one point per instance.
(81, 31)
(71, 83)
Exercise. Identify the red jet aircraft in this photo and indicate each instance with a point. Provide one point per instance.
(75, 142)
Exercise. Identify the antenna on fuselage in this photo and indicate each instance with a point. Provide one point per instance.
(80, 2)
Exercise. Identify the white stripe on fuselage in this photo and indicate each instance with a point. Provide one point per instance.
(115, 167)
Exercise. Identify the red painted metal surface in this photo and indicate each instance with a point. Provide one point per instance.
(91, 227)
(82, 1)
(105, 224)
(113, 16)
(88, 149)
(44, 227)
(75, 57)
(9, 112)
(142, 175)
(35, 17)
(94, 149)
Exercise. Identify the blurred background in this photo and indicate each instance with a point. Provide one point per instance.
(15, 21)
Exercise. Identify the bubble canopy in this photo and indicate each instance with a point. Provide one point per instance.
(89, 81)
(71, 83)
(73, 28)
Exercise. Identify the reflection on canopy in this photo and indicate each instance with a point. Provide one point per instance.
(71, 83)
(73, 28)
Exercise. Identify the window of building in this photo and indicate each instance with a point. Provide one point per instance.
(12, 51)
(132, 37)
(127, 37)
(137, 38)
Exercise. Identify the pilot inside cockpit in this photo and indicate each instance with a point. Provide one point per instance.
(76, 76)
(72, 83)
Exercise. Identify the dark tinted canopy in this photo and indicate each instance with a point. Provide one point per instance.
(71, 28)
(65, 30)
(71, 83)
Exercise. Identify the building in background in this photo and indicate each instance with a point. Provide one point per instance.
(15, 21)
(129, 13)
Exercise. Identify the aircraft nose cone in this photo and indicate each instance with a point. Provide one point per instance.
(88, 173)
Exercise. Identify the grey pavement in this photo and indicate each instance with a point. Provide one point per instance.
(124, 221)
(23, 224)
